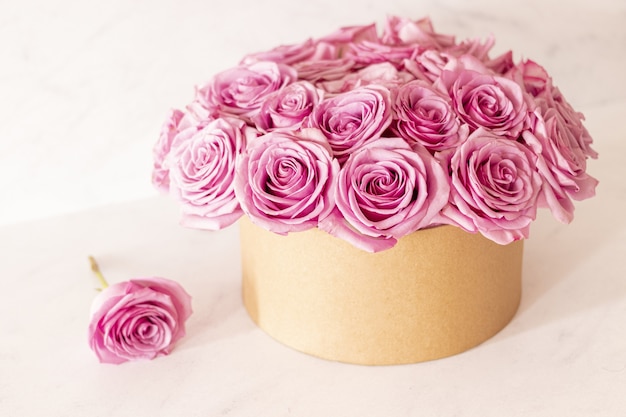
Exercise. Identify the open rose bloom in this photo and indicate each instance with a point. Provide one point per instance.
(372, 135)
(138, 319)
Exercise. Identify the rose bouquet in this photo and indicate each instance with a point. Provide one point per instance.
(371, 137)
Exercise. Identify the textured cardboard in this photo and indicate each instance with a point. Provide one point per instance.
(437, 293)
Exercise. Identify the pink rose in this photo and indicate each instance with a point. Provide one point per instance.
(425, 116)
(476, 48)
(202, 170)
(574, 122)
(177, 128)
(533, 77)
(383, 74)
(387, 190)
(351, 119)
(495, 103)
(197, 114)
(170, 128)
(139, 319)
(287, 107)
(324, 70)
(495, 185)
(401, 31)
(562, 164)
(285, 180)
(351, 34)
(538, 83)
(501, 64)
(292, 54)
(427, 65)
(241, 90)
(367, 53)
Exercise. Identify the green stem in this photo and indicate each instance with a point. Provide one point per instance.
(96, 270)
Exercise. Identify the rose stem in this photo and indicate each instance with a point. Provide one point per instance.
(96, 270)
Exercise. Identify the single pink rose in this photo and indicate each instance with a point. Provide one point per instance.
(241, 90)
(425, 116)
(495, 185)
(139, 319)
(494, 103)
(202, 170)
(170, 128)
(287, 108)
(351, 119)
(285, 180)
(386, 191)
(562, 164)
(401, 31)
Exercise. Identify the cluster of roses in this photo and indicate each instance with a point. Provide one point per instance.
(371, 137)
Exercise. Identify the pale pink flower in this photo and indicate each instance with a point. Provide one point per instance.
(425, 116)
(367, 53)
(351, 119)
(427, 65)
(309, 50)
(382, 74)
(401, 31)
(202, 171)
(562, 164)
(169, 130)
(386, 191)
(351, 34)
(286, 180)
(494, 187)
(287, 108)
(495, 103)
(240, 91)
(138, 319)
(324, 70)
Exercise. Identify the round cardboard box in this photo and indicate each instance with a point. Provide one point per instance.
(438, 292)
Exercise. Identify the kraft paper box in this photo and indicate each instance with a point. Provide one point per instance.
(438, 292)
(368, 130)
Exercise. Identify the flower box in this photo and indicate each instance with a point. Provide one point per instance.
(438, 292)
(419, 159)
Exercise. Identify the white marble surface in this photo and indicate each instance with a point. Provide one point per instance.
(564, 353)
(84, 86)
